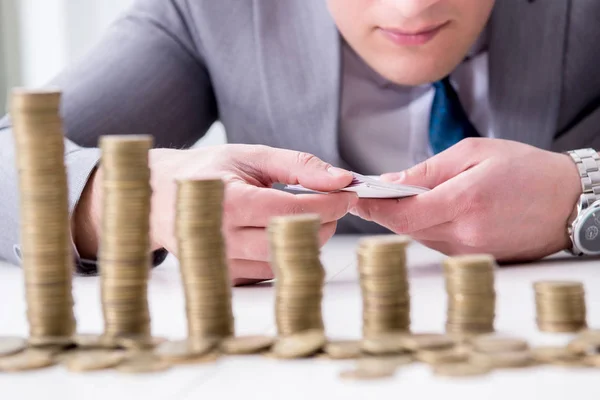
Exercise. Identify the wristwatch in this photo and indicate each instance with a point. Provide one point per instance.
(584, 231)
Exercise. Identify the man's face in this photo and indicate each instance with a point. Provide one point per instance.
(411, 42)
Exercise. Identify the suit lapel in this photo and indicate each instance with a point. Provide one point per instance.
(526, 53)
(299, 58)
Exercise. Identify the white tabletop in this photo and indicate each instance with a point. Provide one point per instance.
(262, 378)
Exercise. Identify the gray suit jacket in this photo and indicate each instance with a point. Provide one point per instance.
(270, 71)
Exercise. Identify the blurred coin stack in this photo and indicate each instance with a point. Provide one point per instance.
(295, 252)
(384, 284)
(202, 257)
(560, 306)
(44, 214)
(471, 294)
(124, 254)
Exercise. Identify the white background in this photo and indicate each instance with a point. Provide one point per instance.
(38, 38)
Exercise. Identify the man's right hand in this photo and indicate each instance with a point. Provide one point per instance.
(250, 202)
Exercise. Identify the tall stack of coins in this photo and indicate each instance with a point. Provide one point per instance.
(44, 215)
(384, 284)
(560, 306)
(295, 251)
(202, 256)
(471, 294)
(124, 258)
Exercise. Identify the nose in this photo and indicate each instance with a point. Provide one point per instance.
(410, 8)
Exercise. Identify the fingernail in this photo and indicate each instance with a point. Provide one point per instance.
(393, 177)
(337, 172)
(353, 211)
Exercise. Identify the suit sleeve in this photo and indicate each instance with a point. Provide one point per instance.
(147, 76)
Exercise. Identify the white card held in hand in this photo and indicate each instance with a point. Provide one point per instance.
(371, 187)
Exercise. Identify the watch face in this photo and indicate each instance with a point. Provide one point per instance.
(589, 232)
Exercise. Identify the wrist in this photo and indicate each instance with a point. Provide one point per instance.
(583, 224)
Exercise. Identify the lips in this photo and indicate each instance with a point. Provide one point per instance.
(414, 37)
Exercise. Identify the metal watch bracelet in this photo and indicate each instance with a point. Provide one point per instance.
(588, 165)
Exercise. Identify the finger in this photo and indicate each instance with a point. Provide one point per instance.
(253, 243)
(251, 206)
(292, 168)
(408, 215)
(443, 166)
(244, 270)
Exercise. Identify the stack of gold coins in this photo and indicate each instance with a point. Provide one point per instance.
(295, 251)
(44, 212)
(384, 285)
(560, 306)
(471, 294)
(202, 256)
(124, 256)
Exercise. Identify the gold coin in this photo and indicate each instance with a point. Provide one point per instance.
(387, 343)
(459, 354)
(207, 358)
(28, 359)
(139, 342)
(343, 349)
(551, 353)
(11, 345)
(184, 349)
(460, 370)
(570, 363)
(143, 364)
(93, 360)
(584, 344)
(498, 344)
(246, 344)
(593, 360)
(507, 359)
(427, 341)
(299, 345)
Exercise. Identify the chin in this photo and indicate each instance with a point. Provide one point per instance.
(414, 75)
(418, 66)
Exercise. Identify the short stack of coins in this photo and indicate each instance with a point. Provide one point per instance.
(471, 294)
(384, 285)
(124, 254)
(44, 215)
(202, 257)
(560, 306)
(300, 276)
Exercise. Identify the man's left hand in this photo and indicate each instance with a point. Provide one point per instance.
(492, 196)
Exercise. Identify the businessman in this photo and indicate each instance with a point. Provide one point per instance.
(478, 100)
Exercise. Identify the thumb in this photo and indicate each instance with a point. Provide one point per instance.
(297, 168)
(434, 171)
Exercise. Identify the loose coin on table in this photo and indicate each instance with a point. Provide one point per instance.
(11, 345)
(246, 344)
(184, 349)
(143, 363)
(299, 345)
(343, 349)
(28, 359)
(93, 360)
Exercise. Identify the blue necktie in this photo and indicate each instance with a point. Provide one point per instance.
(449, 123)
